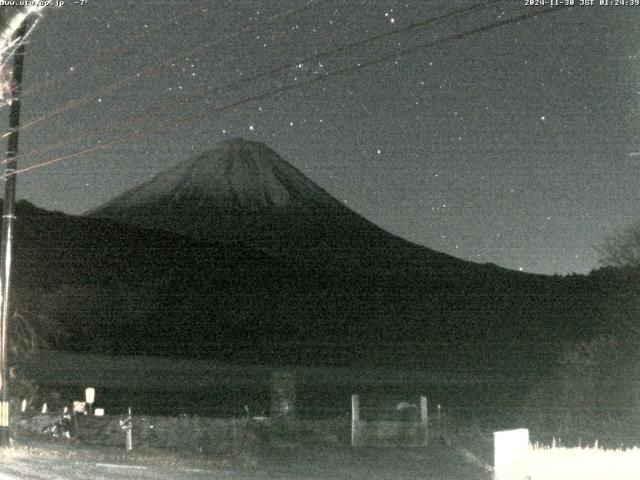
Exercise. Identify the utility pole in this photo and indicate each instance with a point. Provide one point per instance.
(8, 217)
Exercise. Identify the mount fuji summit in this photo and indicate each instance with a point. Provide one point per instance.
(243, 192)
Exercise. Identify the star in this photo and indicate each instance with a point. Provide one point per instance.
(459, 125)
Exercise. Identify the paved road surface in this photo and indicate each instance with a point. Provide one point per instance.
(339, 463)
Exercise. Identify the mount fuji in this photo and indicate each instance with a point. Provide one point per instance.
(315, 280)
(243, 192)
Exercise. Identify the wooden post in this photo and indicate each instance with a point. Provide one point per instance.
(129, 441)
(8, 217)
(355, 418)
(424, 413)
(424, 418)
(127, 425)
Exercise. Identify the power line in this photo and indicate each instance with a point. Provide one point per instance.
(333, 51)
(261, 96)
(116, 50)
(113, 86)
(236, 84)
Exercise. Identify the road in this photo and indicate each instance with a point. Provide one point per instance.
(39, 469)
(339, 463)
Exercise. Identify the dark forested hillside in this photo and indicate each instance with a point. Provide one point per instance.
(117, 289)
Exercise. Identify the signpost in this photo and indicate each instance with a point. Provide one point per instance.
(90, 397)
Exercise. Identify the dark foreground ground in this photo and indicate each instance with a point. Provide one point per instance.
(154, 386)
(35, 459)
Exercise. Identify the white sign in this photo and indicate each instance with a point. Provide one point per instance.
(79, 407)
(510, 446)
(99, 412)
(90, 395)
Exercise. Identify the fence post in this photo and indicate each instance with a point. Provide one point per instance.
(424, 413)
(130, 432)
(424, 418)
(355, 418)
(127, 425)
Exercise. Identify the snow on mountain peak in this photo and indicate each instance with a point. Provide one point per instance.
(236, 174)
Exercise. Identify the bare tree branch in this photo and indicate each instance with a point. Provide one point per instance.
(622, 250)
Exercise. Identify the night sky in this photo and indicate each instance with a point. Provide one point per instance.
(518, 145)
